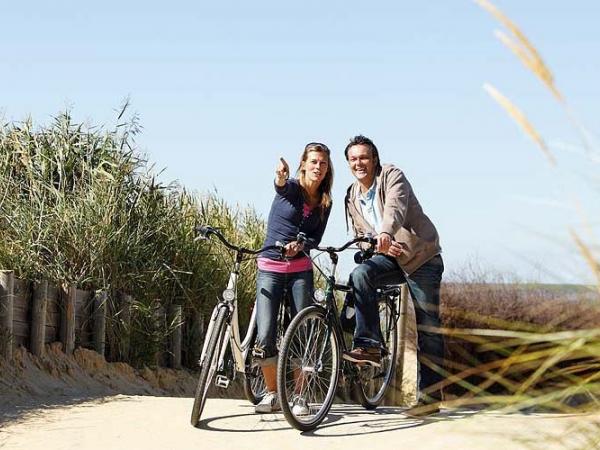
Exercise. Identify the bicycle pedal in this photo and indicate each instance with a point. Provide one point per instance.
(258, 353)
(222, 381)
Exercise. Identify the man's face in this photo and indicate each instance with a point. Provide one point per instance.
(362, 164)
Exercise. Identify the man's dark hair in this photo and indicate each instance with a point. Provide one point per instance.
(363, 140)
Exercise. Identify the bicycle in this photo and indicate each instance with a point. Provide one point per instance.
(223, 352)
(310, 356)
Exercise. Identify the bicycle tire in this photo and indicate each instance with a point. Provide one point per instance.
(209, 365)
(309, 355)
(255, 386)
(372, 382)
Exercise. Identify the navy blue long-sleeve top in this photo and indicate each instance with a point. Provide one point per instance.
(286, 220)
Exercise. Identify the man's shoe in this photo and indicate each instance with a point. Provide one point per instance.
(300, 407)
(422, 409)
(362, 355)
(269, 404)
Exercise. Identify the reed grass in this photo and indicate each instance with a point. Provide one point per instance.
(521, 119)
(79, 204)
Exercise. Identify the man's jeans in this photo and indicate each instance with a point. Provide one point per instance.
(270, 287)
(424, 287)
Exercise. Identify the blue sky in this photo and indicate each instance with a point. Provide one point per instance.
(225, 88)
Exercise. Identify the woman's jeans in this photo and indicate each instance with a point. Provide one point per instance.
(424, 287)
(270, 287)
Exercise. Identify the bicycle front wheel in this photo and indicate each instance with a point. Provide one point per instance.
(307, 372)
(209, 364)
(374, 381)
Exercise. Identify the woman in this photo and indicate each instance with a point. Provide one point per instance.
(301, 204)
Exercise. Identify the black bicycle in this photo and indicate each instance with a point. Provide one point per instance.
(310, 359)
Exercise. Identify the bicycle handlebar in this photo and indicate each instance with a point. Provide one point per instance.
(368, 239)
(205, 232)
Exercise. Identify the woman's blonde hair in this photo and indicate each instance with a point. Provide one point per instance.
(327, 183)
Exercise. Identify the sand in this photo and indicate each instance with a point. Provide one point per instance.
(85, 403)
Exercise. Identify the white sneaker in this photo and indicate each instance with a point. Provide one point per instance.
(268, 404)
(300, 407)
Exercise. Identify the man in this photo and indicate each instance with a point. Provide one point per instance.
(382, 203)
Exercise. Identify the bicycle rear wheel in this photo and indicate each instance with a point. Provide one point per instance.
(209, 364)
(255, 387)
(307, 372)
(374, 381)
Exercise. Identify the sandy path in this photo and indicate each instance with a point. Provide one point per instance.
(144, 422)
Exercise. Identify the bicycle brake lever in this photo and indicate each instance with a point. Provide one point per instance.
(203, 232)
(281, 248)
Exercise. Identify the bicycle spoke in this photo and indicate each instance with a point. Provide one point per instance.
(374, 381)
(309, 371)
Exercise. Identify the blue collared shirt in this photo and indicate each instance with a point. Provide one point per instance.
(368, 204)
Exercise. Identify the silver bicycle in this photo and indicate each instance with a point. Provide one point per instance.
(224, 353)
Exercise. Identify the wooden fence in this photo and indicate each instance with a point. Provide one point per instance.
(33, 314)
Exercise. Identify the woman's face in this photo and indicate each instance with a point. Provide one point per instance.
(316, 166)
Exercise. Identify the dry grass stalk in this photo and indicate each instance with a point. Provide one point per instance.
(523, 49)
(530, 57)
(516, 347)
(519, 117)
(589, 257)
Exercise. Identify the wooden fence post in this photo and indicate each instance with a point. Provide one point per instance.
(99, 321)
(159, 334)
(7, 293)
(38, 317)
(402, 322)
(175, 316)
(394, 395)
(195, 339)
(68, 319)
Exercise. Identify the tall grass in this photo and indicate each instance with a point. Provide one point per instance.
(79, 204)
(521, 345)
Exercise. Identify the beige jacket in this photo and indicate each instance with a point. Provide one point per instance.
(401, 216)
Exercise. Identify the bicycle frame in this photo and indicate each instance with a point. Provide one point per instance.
(232, 337)
(330, 305)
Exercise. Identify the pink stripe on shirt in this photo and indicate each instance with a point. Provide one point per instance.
(292, 266)
(288, 266)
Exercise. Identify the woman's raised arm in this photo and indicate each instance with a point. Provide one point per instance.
(282, 173)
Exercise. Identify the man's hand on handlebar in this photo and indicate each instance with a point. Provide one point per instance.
(388, 246)
(395, 249)
(384, 241)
